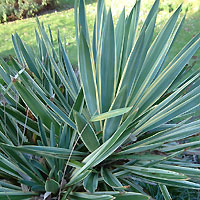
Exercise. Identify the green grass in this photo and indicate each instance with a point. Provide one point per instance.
(64, 20)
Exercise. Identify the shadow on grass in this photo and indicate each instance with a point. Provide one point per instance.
(65, 5)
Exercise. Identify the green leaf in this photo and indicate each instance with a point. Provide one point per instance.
(155, 173)
(130, 69)
(111, 124)
(110, 114)
(146, 34)
(119, 39)
(175, 183)
(52, 136)
(185, 170)
(3, 73)
(178, 147)
(90, 183)
(100, 22)
(20, 118)
(83, 21)
(175, 109)
(39, 166)
(16, 48)
(55, 87)
(102, 152)
(64, 138)
(9, 129)
(36, 106)
(81, 177)
(21, 73)
(87, 71)
(87, 133)
(23, 165)
(139, 148)
(133, 27)
(94, 41)
(86, 196)
(53, 152)
(185, 48)
(107, 65)
(165, 192)
(98, 27)
(7, 185)
(55, 66)
(63, 116)
(169, 135)
(42, 132)
(28, 58)
(178, 133)
(16, 195)
(51, 186)
(111, 179)
(165, 79)
(78, 103)
(76, 21)
(70, 71)
(9, 168)
(156, 162)
(167, 101)
(131, 196)
(155, 56)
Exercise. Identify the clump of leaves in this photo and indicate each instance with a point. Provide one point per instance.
(97, 138)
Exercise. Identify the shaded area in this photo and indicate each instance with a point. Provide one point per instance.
(14, 10)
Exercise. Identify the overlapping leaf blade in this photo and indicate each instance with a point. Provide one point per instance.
(86, 132)
(107, 65)
(87, 72)
(117, 122)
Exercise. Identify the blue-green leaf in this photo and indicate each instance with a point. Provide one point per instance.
(107, 65)
(90, 183)
(86, 132)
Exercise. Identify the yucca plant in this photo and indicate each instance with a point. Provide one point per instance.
(99, 134)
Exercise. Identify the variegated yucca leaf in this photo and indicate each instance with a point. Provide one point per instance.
(102, 132)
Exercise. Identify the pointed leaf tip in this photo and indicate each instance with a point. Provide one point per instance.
(110, 114)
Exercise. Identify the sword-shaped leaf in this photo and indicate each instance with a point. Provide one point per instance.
(53, 152)
(106, 148)
(131, 196)
(107, 65)
(165, 79)
(155, 173)
(111, 179)
(165, 192)
(17, 195)
(110, 114)
(111, 124)
(86, 196)
(90, 183)
(86, 132)
(87, 73)
(36, 106)
(119, 39)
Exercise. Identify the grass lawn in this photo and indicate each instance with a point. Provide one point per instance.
(64, 20)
